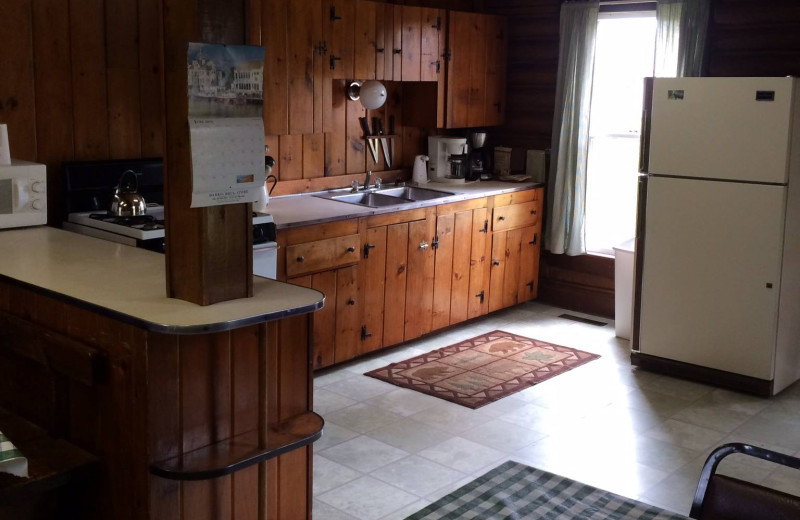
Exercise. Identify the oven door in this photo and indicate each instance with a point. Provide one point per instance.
(265, 260)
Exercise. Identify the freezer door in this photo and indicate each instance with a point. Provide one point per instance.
(722, 128)
(711, 274)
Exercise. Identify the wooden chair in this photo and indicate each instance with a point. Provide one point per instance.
(719, 497)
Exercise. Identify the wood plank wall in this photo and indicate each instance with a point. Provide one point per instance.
(83, 80)
(746, 38)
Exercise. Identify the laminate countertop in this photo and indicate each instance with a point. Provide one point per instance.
(129, 284)
(306, 209)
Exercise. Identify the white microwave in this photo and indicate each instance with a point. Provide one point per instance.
(23, 194)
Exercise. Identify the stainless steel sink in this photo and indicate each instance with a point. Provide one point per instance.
(371, 199)
(414, 193)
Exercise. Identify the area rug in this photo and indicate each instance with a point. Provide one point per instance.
(519, 492)
(483, 369)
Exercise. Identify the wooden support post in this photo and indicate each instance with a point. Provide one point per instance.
(209, 250)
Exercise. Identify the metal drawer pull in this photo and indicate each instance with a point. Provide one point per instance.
(423, 245)
(351, 249)
(495, 262)
(501, 217)
(351, 301)
(397, 51)
(533, 212)
(301, 259)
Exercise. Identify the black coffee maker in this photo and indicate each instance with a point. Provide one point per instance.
(480, 167)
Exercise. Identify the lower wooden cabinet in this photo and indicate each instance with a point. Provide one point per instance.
(419, 271)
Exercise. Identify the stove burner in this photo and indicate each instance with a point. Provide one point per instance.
(143, 222)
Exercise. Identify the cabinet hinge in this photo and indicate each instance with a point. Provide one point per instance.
(485, 227)
(531, 285)
(334, 17)
(448, 55)
(480, 295)
(367, 247)
(334, 59)
(438, 66)
(535, 239)
(435, 243)
(364, 333)
(438, 25)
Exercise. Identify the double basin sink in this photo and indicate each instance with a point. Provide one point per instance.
(385, 197)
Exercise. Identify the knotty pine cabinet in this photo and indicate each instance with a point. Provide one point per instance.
(394, 277)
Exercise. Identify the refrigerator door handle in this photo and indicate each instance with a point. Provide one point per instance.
(641, 217)
(644, 137)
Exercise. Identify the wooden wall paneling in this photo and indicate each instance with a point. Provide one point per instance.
(382, 28)
(88, 55)
(462, 250)
(397, 43)
(326, 183)
(513, 267)
(272, 142)
(342, 36)
(430, 27)
(17, 90)
(274, 31)
(291, 157)
(356, 150)
(394, 107)
(497, 270)
(479, 265)
(365, 38)
(396, 279)
(444, 269)
(380, 164)
(322, 72)
(459, 44)
(348, 314)
(419, 287)
(374, 284)
(336, 140)
(122, 60)
(301, 65)
(477, 77)
(151, 78)
(411, 40)
(53, 94)
(253, 8)
(245, 345)
(313, 155)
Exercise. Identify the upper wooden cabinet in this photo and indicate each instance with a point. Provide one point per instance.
(476, 64)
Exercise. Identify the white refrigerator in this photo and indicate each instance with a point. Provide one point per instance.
(717, 294)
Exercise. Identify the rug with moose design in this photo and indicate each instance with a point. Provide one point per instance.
(483, 369)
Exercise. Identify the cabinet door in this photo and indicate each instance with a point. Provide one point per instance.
(477, 73)
(498, 270)
(419, 287)
(325, 318)
(458, 69)
(374, 265)
(300, 64)
(479, 267)
(340, 16)
(365, 34)
(443, 272)
(462, 251)
(411, 41)
(396, 277)
(383, 28)
(276, 74)
(397, 43)
(348, 314)
(529, 264)
(496, 45)
(512, 267)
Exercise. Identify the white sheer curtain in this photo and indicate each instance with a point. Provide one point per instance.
(567, 186)
(681, 37)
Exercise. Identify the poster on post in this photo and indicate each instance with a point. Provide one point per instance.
(226, 128)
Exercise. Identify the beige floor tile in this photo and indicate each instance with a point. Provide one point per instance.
(367, 498)
(360, 388)
(451, 417)
(404, 402)
(417, 475)
(462, 455)
(329, 474)
(686, 435)
(410, 435)
(332, 435)
(502, 435)
(703, 413)
(326, 401)
(364, 454)
(362, 417)
(322, 511)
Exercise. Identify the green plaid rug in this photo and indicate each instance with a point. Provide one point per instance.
(514, 491)
(11, 459)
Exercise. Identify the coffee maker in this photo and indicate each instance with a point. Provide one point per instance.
(449, 159)
(480, 165)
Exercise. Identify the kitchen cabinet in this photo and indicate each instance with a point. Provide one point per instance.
(396, 278)
(339, 21)
(325, 319)
(375, 274)
(419, 284)
(475, 78)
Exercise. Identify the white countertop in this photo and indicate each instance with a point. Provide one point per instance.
(129, 284)
(302, 210)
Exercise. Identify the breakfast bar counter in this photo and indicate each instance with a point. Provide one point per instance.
(192, 412)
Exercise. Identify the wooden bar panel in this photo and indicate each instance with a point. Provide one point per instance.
(396, 279)
(444, 270)
(17, 90)
(411, 39)
(419, 288)
(274, 31)
(365, 37)
(462, 250)
(374, 286)
(301, 65)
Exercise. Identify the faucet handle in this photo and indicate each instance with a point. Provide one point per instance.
(378, 183)
(354, 186)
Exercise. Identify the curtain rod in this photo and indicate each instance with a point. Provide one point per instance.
(623, 2)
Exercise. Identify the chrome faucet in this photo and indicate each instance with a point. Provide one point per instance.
(378, 183)
(367, 179)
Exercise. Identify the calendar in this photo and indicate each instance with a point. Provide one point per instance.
(226, 128)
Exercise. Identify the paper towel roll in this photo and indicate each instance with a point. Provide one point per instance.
(5, 153)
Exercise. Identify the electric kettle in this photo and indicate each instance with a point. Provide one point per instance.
(420, 172)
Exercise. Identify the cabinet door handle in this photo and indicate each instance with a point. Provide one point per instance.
(397, 51)
(351, 249)
(301, 259)
(423, 245)
(501, 217)
(334, 17)
(364, 333)
(495, 262)
(351, 302)
(379, 49)
(480, 295)
(334, 59)
(367, 247)
(533, 212)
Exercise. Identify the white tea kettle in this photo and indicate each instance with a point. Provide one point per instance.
(420, 172)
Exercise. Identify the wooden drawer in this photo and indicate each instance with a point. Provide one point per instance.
(322, 255)
(516, 215)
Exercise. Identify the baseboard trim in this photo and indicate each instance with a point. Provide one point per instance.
(721, 378)
(576, 297)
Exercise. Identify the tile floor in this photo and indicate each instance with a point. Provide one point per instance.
(388, 451)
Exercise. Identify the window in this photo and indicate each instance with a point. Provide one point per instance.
(623, 57)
